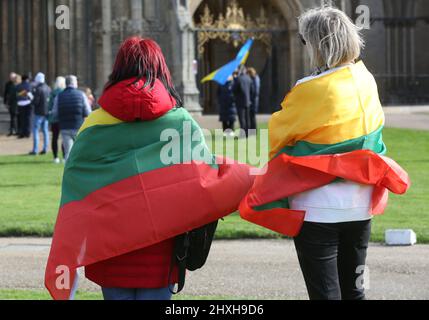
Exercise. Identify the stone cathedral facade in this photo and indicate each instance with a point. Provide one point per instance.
(198, 36)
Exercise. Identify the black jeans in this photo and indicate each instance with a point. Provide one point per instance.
(332, 259)
(252, 115)
(244, 118)
(55, 128)
(24, 115)
(228, 125)
(13, 128)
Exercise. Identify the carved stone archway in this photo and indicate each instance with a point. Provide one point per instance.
(290, 10)
(289, 53)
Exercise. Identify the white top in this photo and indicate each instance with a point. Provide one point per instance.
(25, 103)
(341, 201)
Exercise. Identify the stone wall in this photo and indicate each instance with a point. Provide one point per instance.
(30, 41)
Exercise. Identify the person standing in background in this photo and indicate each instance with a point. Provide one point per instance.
(60, 85)
(256, 89)
(41, 93)
(8, 86)
(242, 91)
(25, 108)
(9, 99)
(71, 107)
(91, 99)
(227, 109)
(18, 81)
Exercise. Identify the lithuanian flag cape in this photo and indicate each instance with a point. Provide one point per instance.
(335, 113)
(319, 136)
(267, 205)
(118, 196)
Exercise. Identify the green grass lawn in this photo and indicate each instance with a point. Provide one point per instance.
(30, 192)
(40, 295)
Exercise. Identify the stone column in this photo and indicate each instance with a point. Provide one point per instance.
(51, 57)
(27, 17)
(136, 9)
(298, 63)
(106, 16)
(43, 28)
(137, 14)
(11, 36)
(36, 32)
(71, 44)
(20, 40)
(296, 58)
(184, 43)
(4, 54)
(80, 42)
(62, 39)
(121, 21)
(150, 10)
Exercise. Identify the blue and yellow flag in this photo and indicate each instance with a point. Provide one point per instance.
(221, 75)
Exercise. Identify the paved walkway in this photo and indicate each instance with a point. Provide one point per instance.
(263, 269)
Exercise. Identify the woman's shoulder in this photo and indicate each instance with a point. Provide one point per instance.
(325, 75)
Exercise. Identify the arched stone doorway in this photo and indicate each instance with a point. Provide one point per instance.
(279, 65)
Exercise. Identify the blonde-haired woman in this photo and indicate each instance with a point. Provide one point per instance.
(60, 85)
(335, 110)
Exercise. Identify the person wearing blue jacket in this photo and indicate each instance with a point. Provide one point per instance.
(71, 107)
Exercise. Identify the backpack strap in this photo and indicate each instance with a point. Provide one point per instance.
(180, 254)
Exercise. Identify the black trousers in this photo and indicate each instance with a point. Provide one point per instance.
(332, 259)
(244, 119)
(13, 128)
(25, 114)
(55, 128)
(228, 125)
(252, 119)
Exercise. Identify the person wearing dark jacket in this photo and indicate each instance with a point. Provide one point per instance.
(25, 107)
(9, 99)
(41, 93)
(227, 109)
(243, 93)
(256, 89)
(71, 107)
(60, 85)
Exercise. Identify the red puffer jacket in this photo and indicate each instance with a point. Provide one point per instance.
(148, 267)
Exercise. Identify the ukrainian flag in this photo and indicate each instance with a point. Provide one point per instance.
(221, 75)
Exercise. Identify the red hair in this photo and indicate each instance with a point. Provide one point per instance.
(142, 59)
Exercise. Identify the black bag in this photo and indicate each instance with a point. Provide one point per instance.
(191, 251)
